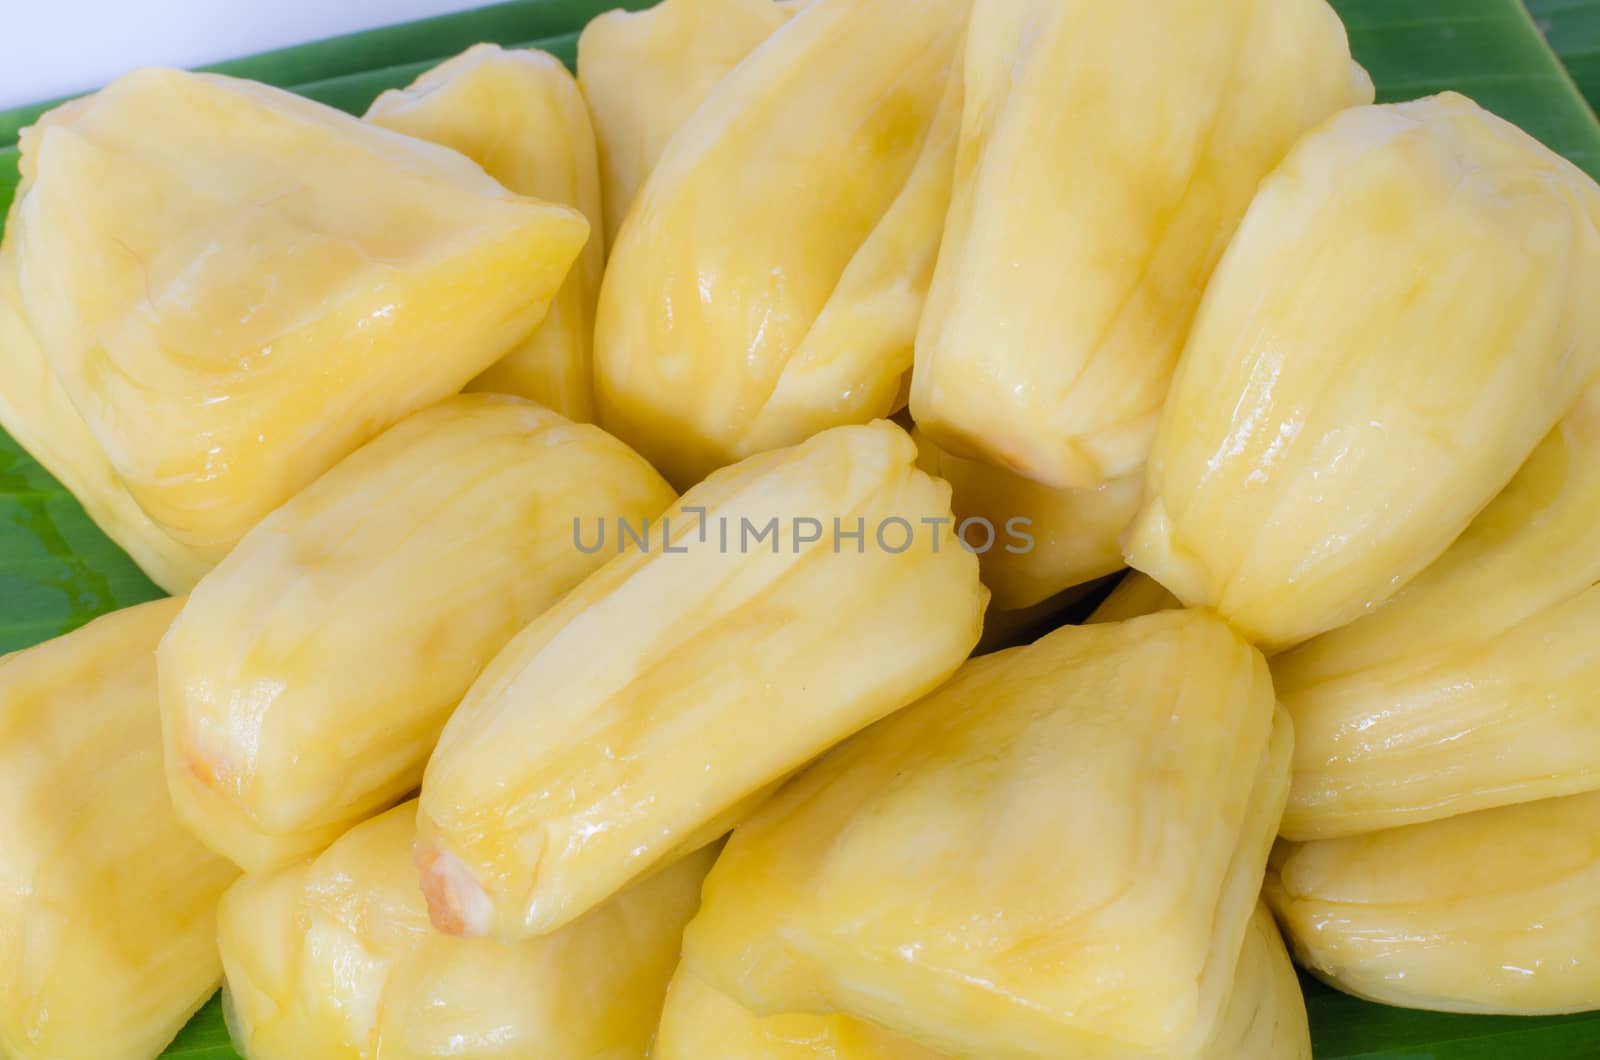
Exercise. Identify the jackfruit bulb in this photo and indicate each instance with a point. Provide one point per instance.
(36, 412)
(307, 679)
(1265, 1019)
(769, 279)
(1474, 686)
(1405, 312)
(644, 73)
(1496, 911)
(236, 286)
(780, 606)
(335, 960)
(1107, 153)
(520, 116)
(1056, 854)
(107, 905)
(1033, 541)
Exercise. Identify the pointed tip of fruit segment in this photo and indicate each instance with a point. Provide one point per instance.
(457, 903)
(208, 771)
(200, 770)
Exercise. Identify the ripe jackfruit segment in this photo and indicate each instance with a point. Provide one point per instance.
(780, 606)
(934, 874)
(1108, 151)
(36, 412)
(644, 73)
(769, 279)
(520, 115)
(309, 676)
(1323, 442)
(334, 959)
(1041, 541)
(236, 287)
(1496, 911)
(107, 904)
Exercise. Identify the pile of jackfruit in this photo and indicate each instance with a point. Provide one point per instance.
(582, 500)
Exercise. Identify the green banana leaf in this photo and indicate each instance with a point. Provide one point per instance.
(57, 570)
(1489, 49)
(1573, 29)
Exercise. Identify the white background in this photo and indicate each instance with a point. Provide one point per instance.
(55, 47)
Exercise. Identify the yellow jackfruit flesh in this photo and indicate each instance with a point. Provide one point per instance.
(308, 677)
(781, 605)
(1475, 685)
(1055, 854)
(1403, 315)
(1107, 153)
(236, 287)
(745, 307)
(37, 413)
(1136, 595)
(644, 73)
(699, 1023)
(1041, 541)
(520, 116)
(107, 905)
(335, 960)
(1496, 911)
(1265, 1018)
